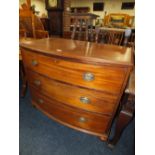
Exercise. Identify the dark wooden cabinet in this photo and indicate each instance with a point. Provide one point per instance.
(45, 22)
(55, 22)
(55, 15)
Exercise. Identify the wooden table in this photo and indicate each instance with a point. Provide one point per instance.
(77, 83)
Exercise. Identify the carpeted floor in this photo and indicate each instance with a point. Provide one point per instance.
(40, 135)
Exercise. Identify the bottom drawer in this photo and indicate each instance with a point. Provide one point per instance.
(72, 117)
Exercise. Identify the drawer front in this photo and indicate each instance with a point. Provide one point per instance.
(104, 78)
(74, 96)
(71, 116)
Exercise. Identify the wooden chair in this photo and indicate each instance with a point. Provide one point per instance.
(114, 37)
(83, 25)
(131, 41)
(107, 37)
(91, 34)
(111, 37)
(22, 33)
(22, 74)
(126, 111)
(31, 23)
(30, 27)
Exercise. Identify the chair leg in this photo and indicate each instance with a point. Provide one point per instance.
(74, 29)
(125, 116)
(24, 80)
(24, 87)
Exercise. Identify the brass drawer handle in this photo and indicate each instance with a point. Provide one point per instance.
(34, 62)
(37, 82)
(40, 101)
(82, 119)
(85, 100)
(88, 76)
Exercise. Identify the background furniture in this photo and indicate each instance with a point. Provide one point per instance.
(22, 34)
(131, 41)
(111, 36)
(80, 9)
(55, 15)
(127, 111)
(118, 20)
(116, 36)
(82, 22)
(21, 66)
(45, 22)
(31, 23)
(96, 75)
(30, 28)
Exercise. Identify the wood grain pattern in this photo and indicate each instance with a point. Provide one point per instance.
(70, 95)
(107, 78)
(82, 51)
(56, 71)
(92, 122)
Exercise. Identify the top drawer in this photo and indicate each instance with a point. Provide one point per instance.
(104, 78)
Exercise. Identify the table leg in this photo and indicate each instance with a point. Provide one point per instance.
(24, 87)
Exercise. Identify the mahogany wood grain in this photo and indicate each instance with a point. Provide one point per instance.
(98, 102)
(103, 135)
(107, 78)
(75, 117)
(56, 67)
(81, 51)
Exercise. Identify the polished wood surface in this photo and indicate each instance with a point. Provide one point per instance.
(76, 117)
(81, 50)
(106, 78)
(78, 84)
(98, 102)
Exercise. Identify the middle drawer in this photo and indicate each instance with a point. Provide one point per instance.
(86, 99)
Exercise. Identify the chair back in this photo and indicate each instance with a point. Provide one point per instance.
(31, 23)
(114, 37)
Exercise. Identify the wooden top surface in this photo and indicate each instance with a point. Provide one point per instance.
(80, 50)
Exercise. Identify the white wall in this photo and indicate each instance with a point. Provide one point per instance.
(40, 5)
(110, 6)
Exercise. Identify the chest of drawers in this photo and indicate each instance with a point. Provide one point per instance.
(77, 83)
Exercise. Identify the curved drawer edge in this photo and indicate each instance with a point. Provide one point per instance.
(104, 135)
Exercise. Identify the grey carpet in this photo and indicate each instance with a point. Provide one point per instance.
(40, 135)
